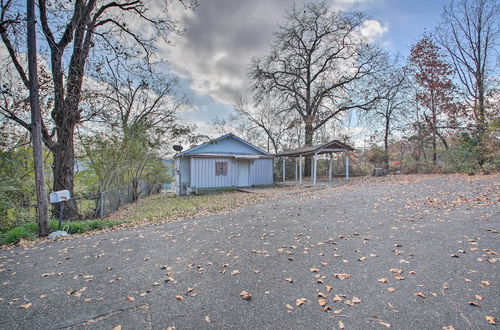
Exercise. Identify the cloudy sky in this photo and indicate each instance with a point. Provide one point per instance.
(213, 55)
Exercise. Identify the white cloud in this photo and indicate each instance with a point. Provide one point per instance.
(373, 30)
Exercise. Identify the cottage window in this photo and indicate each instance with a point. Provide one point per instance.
(220, 168)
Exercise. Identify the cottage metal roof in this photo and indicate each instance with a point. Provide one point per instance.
(332, 146)
(201, 149)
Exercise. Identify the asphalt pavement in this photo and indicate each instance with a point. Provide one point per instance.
(413, 252)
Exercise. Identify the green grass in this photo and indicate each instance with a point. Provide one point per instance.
(150, 210)
(30, 229)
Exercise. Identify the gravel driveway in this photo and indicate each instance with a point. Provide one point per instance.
(408, 252)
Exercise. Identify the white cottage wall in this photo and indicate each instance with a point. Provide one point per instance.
(203, 173)
(261, 172)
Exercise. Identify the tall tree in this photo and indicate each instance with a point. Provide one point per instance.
(388, 112)
(469, 32)
(71, 31)
(437, 92)
(36, 123)
(317, 65)
(266, 117)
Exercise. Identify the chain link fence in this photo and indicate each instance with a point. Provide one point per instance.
(100, 205)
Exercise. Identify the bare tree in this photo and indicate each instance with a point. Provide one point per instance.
(70, 31)
(266, 117)
(317, 65)
(469, 32)
(388, 112)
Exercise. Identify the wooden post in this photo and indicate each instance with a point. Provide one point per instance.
(36, 122)
(330, 168)
(300, 168)
(283, 159)
(315, 167)
(346, 166)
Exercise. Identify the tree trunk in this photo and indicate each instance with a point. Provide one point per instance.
(36, 124)
(63, 168)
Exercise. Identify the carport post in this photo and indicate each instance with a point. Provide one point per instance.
(296, 174)
(315, 167)
(346, 166)
(300, 168)
(283, 159)
(330, 168)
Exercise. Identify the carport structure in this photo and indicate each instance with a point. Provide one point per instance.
(329, 148)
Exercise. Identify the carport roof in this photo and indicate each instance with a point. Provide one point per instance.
(332, 146)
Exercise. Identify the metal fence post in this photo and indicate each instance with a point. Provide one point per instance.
(101, 204)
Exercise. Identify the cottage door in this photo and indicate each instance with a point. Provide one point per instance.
(243, 173)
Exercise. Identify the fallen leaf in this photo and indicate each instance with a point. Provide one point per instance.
(419, 294)
(289, 306)
(322, 302)
(474, 303)
(391, 289)
(300, 301)
(314, 270)
(337, 298)
(385, 324)
(321, 294)
(328, 288)
(235, 272)
(486, 282)
(448, 327)
(478, 297)
(179, 297)
(341, 325)
(289, 279)
(491, 319)
(26, 306)
(131, 299)
(383, 280)
(245, 295)
(207, 319)
(356, 300)
(118, 327)
(342, 276)
(337, 311)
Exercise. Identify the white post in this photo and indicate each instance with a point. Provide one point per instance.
(300, 168)
(296, 174)
(346, 166)
(315, 167)
(283, 159)
(312, 168)
(330, 168)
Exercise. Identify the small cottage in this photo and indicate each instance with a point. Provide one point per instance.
(227, 161)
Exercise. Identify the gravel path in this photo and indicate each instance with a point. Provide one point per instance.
(410, 252)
